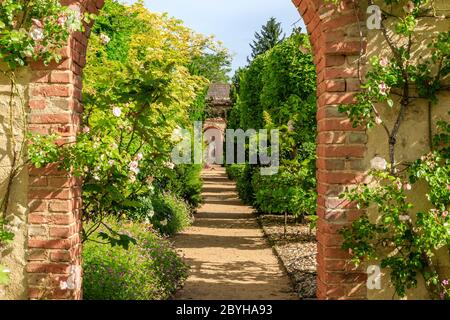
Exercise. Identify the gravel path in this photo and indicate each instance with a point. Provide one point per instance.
(229, 256)
(297, 251)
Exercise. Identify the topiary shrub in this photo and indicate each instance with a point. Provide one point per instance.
(149, 270)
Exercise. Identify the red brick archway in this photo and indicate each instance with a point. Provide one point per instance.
(54, 248)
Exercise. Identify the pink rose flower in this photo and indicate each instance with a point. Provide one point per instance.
(384, 62)
(37, 23)
(409, 7)
(445, 282)
(383, 88)
(62, 21)
(39, 48)
(445, 214)
(86, 129)
(134, 167)
(407, 186)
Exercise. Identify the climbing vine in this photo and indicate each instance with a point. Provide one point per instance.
(405, 240)
(30, 30)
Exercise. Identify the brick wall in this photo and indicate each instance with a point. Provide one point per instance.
(54, 246)
(335, 35)
(54, 220)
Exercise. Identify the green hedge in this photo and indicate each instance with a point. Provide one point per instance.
(148, 270)
(290, 191)
(234, 171)
(244, 185)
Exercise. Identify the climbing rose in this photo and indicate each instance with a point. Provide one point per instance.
(74, 20)
(36, 33)
(37, 23)
(86, 129)
(407, 186)
(383, 88)
(134, 167)
(404, 218)
(139, 156)
(117, 111)
(62, 21)
(409, 7)
(378, 163)
(169, 165)
(104, 39)
(384, 62)
(38, 48)
(445, 214)
(378, 120)
(448, 187)
(445, 282)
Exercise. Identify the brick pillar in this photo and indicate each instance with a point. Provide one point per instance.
(335, 35)
(54, 242)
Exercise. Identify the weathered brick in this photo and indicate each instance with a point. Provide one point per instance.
(37, 255)
(60, 256)
(61, 77)
(38, 267)
(52, 90)
(49, 244)
(61, 232)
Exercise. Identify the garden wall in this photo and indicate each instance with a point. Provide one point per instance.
(414, 137)
(49, 247)
(14, 257)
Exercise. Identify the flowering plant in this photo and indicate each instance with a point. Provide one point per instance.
(123, 150)
(406, 240)
(29, 30)
(35, 30)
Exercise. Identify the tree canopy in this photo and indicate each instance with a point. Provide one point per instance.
(270, 35)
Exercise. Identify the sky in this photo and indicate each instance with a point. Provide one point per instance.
(233, 22)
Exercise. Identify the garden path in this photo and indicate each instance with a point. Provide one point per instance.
(229, 257)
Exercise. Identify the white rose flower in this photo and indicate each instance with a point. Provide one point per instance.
(36, 33)
(104, 39)
(378, 163)
(117, 112)
(404, 218)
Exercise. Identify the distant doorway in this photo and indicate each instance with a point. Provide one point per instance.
(213, 138)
